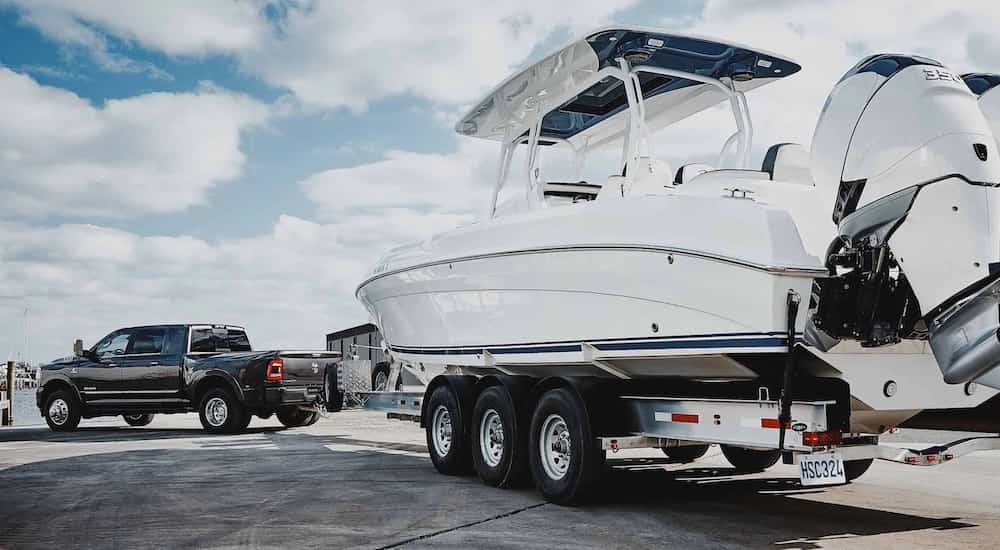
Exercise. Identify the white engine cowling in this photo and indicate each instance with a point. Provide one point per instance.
(914, 166)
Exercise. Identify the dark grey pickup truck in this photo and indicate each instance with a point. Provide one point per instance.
(141, 371)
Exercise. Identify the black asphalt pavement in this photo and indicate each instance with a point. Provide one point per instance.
(356, 480)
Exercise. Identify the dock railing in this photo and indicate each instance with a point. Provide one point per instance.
(7, 398)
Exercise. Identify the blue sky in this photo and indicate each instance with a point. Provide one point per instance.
(246, 162)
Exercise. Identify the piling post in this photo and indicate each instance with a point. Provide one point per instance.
(8, 412)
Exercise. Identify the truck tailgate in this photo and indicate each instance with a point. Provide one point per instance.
(306, 368)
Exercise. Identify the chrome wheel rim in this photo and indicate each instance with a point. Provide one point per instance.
(441, 430)
(59, 411)
(381, 379)
(491, 438)
(216, 411)
(555, 447)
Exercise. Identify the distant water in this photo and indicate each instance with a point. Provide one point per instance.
(25, 411)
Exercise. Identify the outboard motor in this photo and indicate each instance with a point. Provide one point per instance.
(914, 167)
(987, 87)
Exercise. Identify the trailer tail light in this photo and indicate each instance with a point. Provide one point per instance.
(820, 439)
(275, 370)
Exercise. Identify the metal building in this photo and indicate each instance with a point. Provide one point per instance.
(362, 342)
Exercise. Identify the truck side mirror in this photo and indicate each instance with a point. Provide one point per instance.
(78, 348)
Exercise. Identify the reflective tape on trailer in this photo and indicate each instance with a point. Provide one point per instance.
(684, 418)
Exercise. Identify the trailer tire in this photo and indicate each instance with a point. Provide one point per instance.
(499, 446)
(750, 460)
(853, 469)
(447, 440)
(687, 453)
(566, 461)
(138, 419)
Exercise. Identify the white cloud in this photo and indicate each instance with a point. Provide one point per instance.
(827, 39)
(331, 54)
(288, 286)
(178, 27)
(158, 152)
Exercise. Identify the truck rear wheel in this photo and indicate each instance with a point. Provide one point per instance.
(750, 460)
(687, 453)
(296, 417)
(62, 411)
(220, 412)
(138, 419)
(566, 461)
(446, 438)
(498, 445)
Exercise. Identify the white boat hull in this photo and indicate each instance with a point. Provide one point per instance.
(532, 302)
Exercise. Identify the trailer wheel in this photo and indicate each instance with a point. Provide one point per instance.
(687, 453)
(498, 446)
(446, 439)
(566, 461)
(853, 469)
(138, 419)
(750, 460)
(380, 377)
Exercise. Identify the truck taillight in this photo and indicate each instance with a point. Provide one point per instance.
(275, 370)
(821, 439)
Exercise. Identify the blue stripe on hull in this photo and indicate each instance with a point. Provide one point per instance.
(759, 340)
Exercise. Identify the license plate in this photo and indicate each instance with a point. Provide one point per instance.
(821, 469)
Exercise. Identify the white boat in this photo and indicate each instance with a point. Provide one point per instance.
(693, 271)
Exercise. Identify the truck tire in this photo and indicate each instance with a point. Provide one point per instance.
(380, 377)
(138, 419)
(750, 460)
(447, 441)
(853, 469)
(221, 413)
(62, 411)
(291, 416)
(499, 445)
(566, 461)
(687, 453)
(312, 419)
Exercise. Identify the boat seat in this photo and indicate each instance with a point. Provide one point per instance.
(575, 191)
(652, 177)
(788, 162)
(688, 172)
(613, 189)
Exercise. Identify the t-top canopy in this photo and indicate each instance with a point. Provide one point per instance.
(575, 88)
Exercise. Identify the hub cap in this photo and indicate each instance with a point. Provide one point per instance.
(216, 411)
(59, 412)
(491, 438)
(554, 445)
(441, 430)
